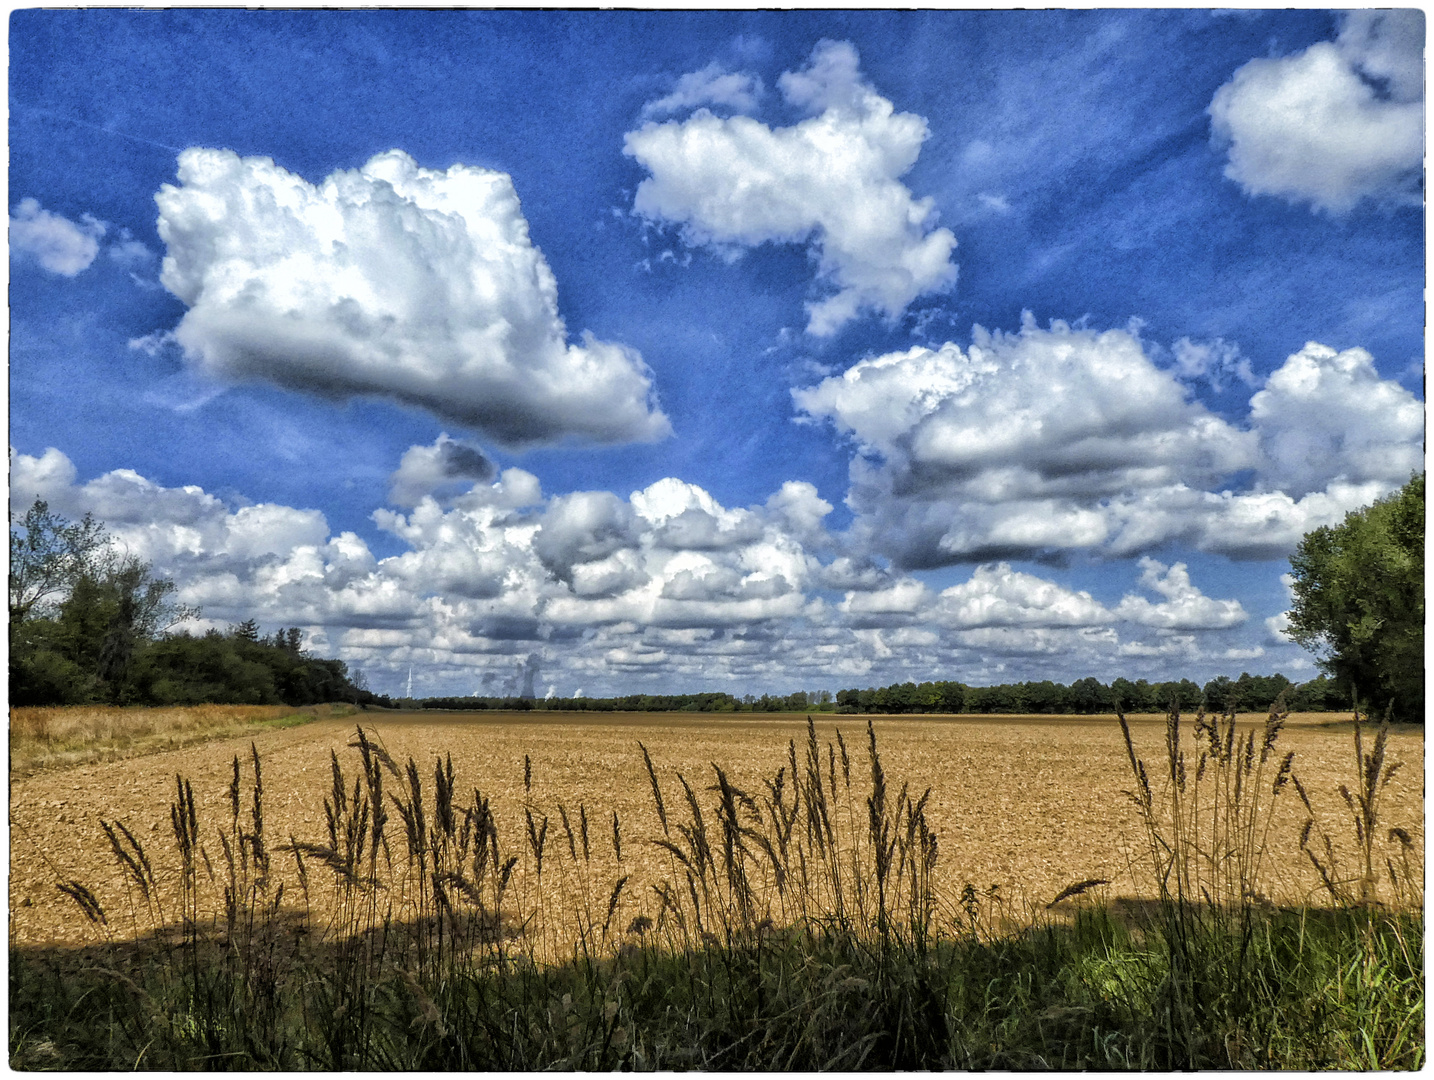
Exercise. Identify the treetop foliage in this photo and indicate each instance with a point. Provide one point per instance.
(47, 555)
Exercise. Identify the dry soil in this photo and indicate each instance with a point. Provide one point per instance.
(1031, 804)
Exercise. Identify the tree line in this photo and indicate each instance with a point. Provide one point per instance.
(1246, 694)
(91, 624)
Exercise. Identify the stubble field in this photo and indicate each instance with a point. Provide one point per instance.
(1028, 804)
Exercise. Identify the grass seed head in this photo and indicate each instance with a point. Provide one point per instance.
(568, 829)
(656, 788)
(93, 910)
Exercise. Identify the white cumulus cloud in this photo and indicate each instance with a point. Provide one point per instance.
(1184, 608)
(831, 180)
(996, 595)
(1340, 122)
(596, 590)
(1327, 416)
(1064, 439)
(51, 477)
(1010, 446)
(393, 280)
(1035, 413)
(713, 85)
(904, 597)
(428, 470)
(58, 244)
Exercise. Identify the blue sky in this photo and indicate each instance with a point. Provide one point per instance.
(751, 351)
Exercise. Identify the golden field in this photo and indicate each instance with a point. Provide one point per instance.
(1028, 804)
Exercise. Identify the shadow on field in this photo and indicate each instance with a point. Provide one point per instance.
(1094, 989)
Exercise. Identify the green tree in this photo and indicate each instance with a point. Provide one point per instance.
(78, 610)
(1046, 697)
(115, 606)
(1134, 697)
(1359, 601)
(89, 623)
(1089, 695)
(1219, 694)
(1183, 695)
(47, 555)
(1319, 694)
(951, 697)
(1255, 693)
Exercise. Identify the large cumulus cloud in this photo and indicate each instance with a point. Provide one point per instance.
(410, 283)
(1327, 416)
(666, 589)
(1184, 608)
(1339, 122)
(1046, 441)
(1034, 414)
(831, 180)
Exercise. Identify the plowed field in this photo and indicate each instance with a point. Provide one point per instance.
(1029, 803)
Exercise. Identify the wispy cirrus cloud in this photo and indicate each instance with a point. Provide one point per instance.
(713, 85)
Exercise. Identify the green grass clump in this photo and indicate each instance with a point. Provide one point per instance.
(799, 927)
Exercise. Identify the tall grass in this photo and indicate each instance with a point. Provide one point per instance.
(1361, 884)
(799, 924)
(53, 737)
(1207, 827)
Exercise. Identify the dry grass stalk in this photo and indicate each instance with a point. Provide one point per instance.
(736, 860)
(1208, 836)
(1373, 774)
(738, 863)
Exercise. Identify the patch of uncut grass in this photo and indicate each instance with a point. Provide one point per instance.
(60, 737)
(1323, 990)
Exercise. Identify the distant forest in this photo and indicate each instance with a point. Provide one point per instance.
(1248, 693)
(73, 661)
